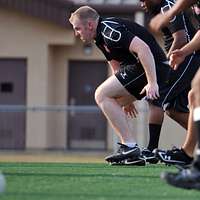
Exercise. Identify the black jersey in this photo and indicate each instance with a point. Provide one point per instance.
(114, 36)
(179, 22)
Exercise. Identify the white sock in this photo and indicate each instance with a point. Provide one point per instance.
(130, 144)
(198, 152)
(196, 114)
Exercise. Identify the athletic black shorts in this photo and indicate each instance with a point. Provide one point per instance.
(133, 78)
(174, 85)
(176, 91)
(179, 103)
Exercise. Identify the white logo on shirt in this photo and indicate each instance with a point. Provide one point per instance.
(123, 75)
(112, 32)
(167, 7)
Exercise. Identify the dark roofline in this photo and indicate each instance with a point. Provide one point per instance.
(52, 10)
(58, 11)
(122, 9)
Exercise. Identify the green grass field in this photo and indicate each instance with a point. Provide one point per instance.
(55, 181)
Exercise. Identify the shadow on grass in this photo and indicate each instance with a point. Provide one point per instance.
(77, 175)
(67, 195)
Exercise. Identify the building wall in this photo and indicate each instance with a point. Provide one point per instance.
(48, 49)
(23, 36)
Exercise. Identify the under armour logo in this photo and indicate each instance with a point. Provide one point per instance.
(123, 75)
(166, 157)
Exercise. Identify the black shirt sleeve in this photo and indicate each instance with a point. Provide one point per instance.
(106, 53)
(177, 23)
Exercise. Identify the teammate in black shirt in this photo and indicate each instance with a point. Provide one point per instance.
(187, 178)
(135, 58)
(176, 34)
(160, 20)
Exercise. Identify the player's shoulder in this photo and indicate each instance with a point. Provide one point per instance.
(111, 21)
(167, 4)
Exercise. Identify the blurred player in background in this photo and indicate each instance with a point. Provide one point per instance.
(178, 32)
(161, 20)
(189, 178)
(186, 178)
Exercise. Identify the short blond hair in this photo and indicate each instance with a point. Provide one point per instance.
(84, 13)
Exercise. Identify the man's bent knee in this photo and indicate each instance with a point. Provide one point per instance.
(98, 95)
(191, 97)
(196, 83)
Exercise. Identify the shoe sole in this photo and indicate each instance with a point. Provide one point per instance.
(188, 186)
(151, 160)
(116, 163)
(181, 167)
(125, 162)
(135, 162)
(121, 157)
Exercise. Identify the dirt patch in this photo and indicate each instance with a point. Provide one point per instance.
(51, 157)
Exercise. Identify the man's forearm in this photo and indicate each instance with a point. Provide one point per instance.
(147, 60)
(193, 45)
(180, 39)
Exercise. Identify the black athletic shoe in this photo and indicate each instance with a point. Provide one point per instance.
(124, 152)
(138, 161)
(187, 178)
(149, 156)
(174, 157)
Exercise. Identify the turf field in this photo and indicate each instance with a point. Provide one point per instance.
(95, 181)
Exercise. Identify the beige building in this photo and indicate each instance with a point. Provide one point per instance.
(48, 79)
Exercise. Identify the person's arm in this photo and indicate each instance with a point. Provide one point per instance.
(179, 6)
(180, 39)
(178, 56)
(162, 20)
(129, 108)
(193, 45)
(146, 58)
